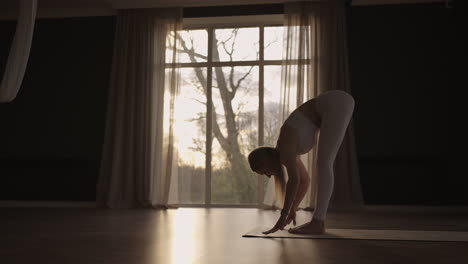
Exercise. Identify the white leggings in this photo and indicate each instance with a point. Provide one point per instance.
(336, 108)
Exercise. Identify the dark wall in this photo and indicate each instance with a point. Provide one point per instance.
(51, 135)
(401, 64)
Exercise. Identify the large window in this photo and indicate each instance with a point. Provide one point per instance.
(228, 105)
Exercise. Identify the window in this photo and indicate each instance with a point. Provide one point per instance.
(228, 104)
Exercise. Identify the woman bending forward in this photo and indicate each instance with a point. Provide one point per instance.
(330, 113)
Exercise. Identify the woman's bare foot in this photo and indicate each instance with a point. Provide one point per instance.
(315, 226)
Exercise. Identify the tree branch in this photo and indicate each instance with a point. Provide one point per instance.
(232, 93)
(218, 134)
(223, 43)
(235, 31)
(198, 55)
(234, 87)
(243, 77)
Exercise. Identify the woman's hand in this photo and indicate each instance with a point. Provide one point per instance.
(280, 224)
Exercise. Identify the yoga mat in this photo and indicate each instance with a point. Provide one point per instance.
(368, 234)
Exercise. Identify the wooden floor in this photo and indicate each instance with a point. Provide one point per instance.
(211, 236)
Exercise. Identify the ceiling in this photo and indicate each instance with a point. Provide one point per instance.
(71, 8)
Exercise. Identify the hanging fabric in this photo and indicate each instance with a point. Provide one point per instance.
(315, 60)
(19, 51)
(138, 153)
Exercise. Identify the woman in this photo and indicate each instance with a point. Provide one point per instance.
(330, 113)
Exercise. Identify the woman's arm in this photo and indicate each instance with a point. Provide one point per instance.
(286, 146)
(303, 186)
(292, 187)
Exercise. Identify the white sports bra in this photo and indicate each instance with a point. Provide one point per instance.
(305, 129)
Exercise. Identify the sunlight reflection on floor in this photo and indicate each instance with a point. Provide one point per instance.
(185, 245)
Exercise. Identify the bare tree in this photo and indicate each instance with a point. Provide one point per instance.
(228, 86)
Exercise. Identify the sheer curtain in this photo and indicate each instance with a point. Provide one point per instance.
(19, 51)
(138, 153)
(315, 60)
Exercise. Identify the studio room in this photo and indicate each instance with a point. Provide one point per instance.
(235, 131)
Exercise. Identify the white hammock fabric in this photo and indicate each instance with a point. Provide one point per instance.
(19, 51)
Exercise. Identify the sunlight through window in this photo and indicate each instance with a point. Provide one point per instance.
(235, 87)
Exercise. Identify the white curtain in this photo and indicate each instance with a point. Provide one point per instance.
(19, 51)
(138, 153)
(315, 60)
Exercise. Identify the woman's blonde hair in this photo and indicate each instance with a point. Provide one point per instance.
(256, 161)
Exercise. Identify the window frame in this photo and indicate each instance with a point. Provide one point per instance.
(211, 24)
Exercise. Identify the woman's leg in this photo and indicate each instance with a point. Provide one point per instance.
(336, 110)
